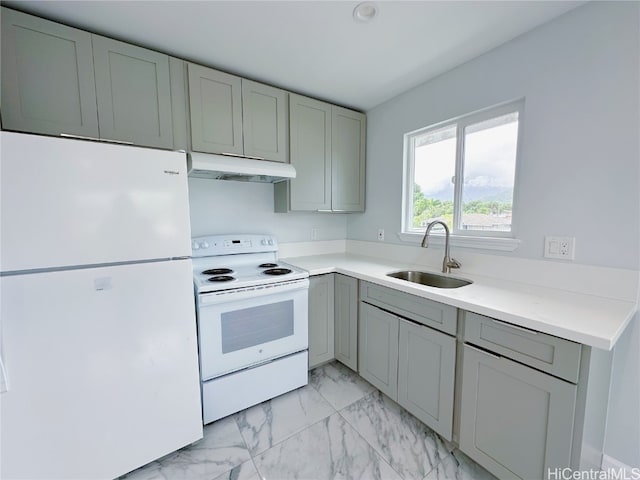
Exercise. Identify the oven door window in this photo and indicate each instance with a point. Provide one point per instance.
(253, 326)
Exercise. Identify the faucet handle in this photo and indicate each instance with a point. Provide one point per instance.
(453, 263)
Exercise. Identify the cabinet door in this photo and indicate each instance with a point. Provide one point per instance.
(320, 319)
(426, 373)
(346, 321)
(515, 421)
(310, 131)
(347, 160)
(378, 349)
(134, 93)
(265, 125)
(48, 82)
(215, 100)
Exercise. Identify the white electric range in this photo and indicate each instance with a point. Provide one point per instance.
(252, 313)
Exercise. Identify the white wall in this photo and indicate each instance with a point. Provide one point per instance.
(242, 207)
(578, 172)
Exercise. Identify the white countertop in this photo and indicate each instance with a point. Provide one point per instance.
(587, 319)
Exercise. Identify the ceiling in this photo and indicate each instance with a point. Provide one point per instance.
(313, 47)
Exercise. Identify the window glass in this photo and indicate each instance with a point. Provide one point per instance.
(462, 172)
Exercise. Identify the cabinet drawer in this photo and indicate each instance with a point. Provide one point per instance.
(544, 352)
(427, 312)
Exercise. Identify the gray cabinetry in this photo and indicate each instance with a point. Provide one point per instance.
(215, 101)
(264, 121)
(327, 148)
(133, 93)
(515, 421)
(231, 115)
(58, 80)
(426, 373)
(48, 81)
(404, 357)
(346, 321)
(321, 323)
(530, 403)
(378, 349)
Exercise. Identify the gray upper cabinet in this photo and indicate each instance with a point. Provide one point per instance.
(133, 93)
(320, 319)
(215, 101)
(347, 160)
(232, 115)
(310, 125)
(515, 421)
(426, 374)
(264, 121)
(346, 321)
(327, 145)
(48, 82)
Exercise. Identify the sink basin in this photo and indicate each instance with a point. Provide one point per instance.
(430, 279)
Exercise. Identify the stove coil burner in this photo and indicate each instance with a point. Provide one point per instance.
(221, 278)
(217, 271)
(277, 271)
(267, 265)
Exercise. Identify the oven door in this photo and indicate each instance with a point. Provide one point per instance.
(245, 327)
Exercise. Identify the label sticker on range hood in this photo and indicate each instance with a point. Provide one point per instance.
(223, 167)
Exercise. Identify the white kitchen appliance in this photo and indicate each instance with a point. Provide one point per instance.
(252, 313)
(99, 367)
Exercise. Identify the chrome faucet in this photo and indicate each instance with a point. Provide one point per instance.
(447, 263)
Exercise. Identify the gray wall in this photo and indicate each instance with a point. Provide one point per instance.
(242, 207)
(578, 172)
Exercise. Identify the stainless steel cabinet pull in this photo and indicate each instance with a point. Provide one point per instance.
(479, 350)
(508, 325)
(324, 211)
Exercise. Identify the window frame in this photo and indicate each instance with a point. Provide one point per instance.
(492, 239)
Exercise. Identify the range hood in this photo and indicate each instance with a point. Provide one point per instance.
(228, 167)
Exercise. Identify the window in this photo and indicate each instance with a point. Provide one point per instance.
(462, 172)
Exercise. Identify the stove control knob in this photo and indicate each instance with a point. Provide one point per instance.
(195, 246)
(270, 241)
(264, 241)
(204, 244)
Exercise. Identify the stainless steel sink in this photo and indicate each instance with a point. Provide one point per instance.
(429, 279)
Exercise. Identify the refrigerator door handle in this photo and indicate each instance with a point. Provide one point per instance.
(4, 380)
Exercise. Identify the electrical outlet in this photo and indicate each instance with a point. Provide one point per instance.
(381, 234)
(562, 248)
(314, 234)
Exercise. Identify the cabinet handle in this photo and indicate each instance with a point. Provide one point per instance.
(479, 350)
(81, 137)
(253, 157)
(324, 211)
(4, 380)
(515, 327)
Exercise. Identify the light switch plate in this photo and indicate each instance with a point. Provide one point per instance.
(563, 248)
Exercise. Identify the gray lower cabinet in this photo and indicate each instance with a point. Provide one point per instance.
(321, 320)
(378, 349)
(327, 148)
(515, 421)
(133, 94)
(48, 83)
(426, 373)
(346, 321)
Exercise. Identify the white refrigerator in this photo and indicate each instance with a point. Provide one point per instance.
(99, 367)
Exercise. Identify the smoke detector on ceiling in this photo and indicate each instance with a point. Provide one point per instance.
(365, 12)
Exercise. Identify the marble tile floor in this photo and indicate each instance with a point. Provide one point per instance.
(336, 427)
